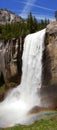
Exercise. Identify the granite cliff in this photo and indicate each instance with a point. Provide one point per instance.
(50, 56)
(7, 16)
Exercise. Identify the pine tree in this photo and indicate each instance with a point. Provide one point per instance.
(35, 24)
(30, 23)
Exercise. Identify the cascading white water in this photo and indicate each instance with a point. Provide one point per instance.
(14, 109)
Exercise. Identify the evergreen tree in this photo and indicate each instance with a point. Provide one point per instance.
(15, 30)
(30, 23)
(35, 24)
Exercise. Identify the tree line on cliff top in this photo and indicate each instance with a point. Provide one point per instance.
(15, 30)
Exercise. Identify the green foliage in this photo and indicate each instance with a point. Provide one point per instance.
(43, 24)
(32, 24)
(15, 30)
(10, 85)
(7, 86)
(12, 30)
(2, 89)
(43, 124)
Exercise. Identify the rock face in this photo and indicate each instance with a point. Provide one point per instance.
(50, 56)
(9, 17)
(11, 60)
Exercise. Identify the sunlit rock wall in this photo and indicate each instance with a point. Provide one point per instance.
(50, 56)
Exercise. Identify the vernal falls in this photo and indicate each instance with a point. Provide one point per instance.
(23, 104)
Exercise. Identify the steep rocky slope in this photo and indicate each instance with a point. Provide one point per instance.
(11, 60)
(50, 56)
(8, 17)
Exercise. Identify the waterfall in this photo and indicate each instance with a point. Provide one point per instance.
(15, 107)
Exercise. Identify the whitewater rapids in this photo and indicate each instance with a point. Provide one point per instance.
(15, 107)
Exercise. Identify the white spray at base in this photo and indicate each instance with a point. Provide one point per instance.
(14, 109)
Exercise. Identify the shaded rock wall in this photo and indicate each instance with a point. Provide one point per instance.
(49, 77)
(11, 59)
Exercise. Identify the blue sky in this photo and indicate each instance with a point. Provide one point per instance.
(41, 9)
